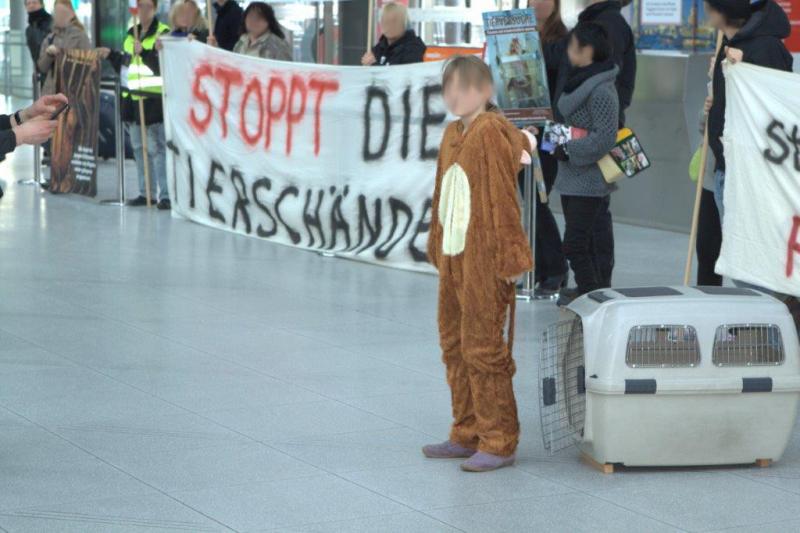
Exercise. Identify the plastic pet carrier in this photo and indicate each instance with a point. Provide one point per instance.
(671, 376)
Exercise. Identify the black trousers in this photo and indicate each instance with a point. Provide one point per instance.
(548, 253)
(709, 240)
(589, 240)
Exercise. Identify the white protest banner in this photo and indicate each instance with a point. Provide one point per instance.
(761, 227)
(333, 159)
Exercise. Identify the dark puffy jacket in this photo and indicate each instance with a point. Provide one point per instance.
(623, 53)
(407, 49)
(761, 41)
(8, 140)
(40, 24)
(228, 25)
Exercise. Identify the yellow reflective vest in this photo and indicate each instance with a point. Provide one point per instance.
(140, 76)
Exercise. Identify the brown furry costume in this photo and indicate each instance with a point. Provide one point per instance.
(477, 242)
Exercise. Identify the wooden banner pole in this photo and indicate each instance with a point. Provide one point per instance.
(209, 18)
(142, 123)
(687, 274)
(370, 24)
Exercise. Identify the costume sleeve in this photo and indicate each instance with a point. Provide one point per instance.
(604, 108)
(513, 254)
(435, 231)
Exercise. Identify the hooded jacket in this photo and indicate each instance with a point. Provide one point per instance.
(623, 53)
(761, 41)
(407, 49)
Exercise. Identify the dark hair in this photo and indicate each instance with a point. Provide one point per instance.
(553, 28)
(594, 35)
(265, 11)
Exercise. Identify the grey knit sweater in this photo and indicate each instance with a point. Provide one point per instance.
(593, 106)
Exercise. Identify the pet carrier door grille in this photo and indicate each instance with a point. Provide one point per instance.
(562, 394)
(748, 345)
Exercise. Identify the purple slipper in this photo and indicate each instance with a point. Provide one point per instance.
(447, 450)
(486, 462)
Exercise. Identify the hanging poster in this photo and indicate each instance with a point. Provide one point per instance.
(677, 25)
(514, 53)
(73, 166)
(661, 12)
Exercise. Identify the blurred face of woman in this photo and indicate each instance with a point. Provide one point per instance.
(191, 11)
(256, 26)
(466, 99)
(542, 8)
(147, 10)
(393, 25)
(184, 16)
(62, 16)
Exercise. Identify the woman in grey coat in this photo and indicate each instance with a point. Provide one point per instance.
(589, 102)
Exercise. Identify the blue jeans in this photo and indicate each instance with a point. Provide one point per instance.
(157, 157)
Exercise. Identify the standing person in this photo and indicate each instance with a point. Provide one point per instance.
(40, 24)
(228, 26)
(398, 45)
(589, 101)
(551, 265)
(753, 34)
(479, 247)
(262, 35)
(144, 76)
(68, 34)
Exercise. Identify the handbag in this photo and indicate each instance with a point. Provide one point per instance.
(626, 159)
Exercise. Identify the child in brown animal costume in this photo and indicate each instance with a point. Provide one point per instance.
(477, 243)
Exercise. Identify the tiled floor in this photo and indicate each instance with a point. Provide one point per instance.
(158, 375)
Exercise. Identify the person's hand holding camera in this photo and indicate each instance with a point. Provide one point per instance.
(35, 131)
(44, 107)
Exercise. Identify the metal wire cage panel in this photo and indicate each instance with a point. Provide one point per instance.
(748, 345)
(562, 394)
(663, 346)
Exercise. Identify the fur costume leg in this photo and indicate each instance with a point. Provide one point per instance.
(479, 364)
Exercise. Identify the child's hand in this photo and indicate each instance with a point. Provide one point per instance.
(512, 280)
(734, 55)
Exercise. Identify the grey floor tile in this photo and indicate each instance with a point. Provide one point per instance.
(289, 503)
(302, 420)
(707, 502)
(400, 523)
(155, 512)
(218, 466)
(447, 486)
(568, 513)
(361, 450)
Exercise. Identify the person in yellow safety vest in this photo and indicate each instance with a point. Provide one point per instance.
(144, 81)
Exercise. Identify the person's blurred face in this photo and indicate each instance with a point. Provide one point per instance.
(32, 5)
(579, 56)
(715, 19)
(542, 8)
(184, 16)
(147, 10)
(62, 16)
(464, 99)
(192, 10)
(255, 24)
(393, 25)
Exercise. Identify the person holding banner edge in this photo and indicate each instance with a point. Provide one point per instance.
(753, 33)
(398, 45)
(227, 27)
(144, 82)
